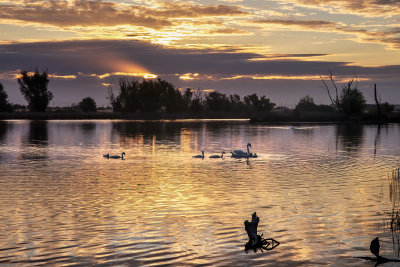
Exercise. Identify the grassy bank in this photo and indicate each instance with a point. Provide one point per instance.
(118, 116)
(259, 117)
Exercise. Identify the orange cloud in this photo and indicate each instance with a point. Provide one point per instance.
(383, 37)
(365, 8)
(106, 14)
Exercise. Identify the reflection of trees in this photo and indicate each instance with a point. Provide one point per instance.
(3, 129)
(88, 128)
(377, 141)
(160, 129)
(38, 133)
(37, 137)
(350, 136)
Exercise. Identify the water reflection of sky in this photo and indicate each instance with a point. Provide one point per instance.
(320, 190)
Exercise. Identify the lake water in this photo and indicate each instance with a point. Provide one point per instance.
(322, 191)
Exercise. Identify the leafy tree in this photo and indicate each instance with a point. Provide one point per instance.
(87, 104)
(306, 104)
(148, 96)
(33, 87)
(4, 105)
(172, 99)
(254, 103)
(197, 103)
(351, 100)
(216, 101)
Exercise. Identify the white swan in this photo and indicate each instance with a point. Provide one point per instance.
(199, 156)
(117, 157)
(241, 153)
(218, 156)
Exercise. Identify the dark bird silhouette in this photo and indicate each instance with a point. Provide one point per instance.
(375, 247)
(199, 156)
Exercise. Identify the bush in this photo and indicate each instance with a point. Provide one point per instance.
(87, 105)
(306, 104)
(4, 105)
(33, 87)
(254, 103)
(351, 100)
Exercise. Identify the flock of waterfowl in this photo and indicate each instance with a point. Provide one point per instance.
(235, 154)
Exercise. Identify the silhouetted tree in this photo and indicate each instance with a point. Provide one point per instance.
(216, 101)
(197, 103)
(87, 104)
(4, 105)
(351, 100)
(171, 98)
(187, 98)
(33, 87)
(254, 103)
(159, 95)
(236, 103)
(148, 96)
(306, 104)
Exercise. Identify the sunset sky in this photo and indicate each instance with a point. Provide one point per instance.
(273, 48)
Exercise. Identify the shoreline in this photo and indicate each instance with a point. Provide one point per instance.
(119, 116)
(257, 118)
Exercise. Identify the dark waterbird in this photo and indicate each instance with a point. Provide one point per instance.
(241, 153)
(114, 156)
(199, 156)
(218, 156)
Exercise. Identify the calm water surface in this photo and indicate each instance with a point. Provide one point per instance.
(322, 191)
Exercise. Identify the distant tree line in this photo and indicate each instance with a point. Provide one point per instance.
(159, 95)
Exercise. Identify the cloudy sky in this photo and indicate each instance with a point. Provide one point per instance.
(273, 48)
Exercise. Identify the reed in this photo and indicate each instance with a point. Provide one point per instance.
(394, 192)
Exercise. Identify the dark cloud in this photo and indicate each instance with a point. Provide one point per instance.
(96, 56)
(82, 58)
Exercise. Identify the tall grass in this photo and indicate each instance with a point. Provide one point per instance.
(394, 190)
